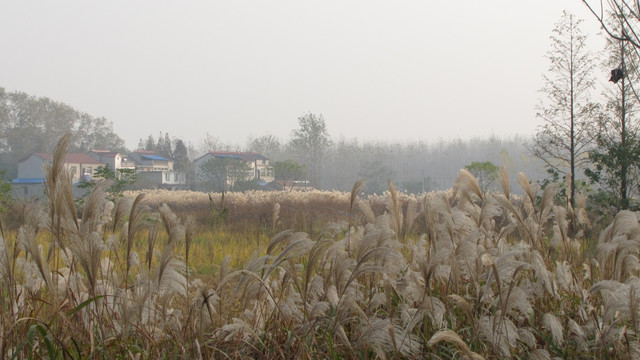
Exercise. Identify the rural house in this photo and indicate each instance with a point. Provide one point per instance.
(257, 166)
(157, 170)
(113, 160)
(31, 172)
(152, 169)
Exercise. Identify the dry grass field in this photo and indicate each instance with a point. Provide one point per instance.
(452, 275)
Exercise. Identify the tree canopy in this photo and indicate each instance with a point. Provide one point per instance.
(31, 124)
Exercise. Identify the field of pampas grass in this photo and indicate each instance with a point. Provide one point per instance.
(453, 275)
(305, 210)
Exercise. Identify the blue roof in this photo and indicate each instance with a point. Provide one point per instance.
(154, 157)
(28, 181)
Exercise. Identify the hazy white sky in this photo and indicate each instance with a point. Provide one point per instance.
(388, 70)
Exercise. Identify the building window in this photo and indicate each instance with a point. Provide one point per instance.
(175, 177)
(167, 176)
(89, 170)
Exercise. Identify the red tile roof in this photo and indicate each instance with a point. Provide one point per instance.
(71, 158)
(105, 152)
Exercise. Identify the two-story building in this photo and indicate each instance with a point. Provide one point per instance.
(31, 172)
(157, 170)
(153, 170)
(114, 160)
(257, 165)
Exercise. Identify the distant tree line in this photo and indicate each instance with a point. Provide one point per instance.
(31, 124)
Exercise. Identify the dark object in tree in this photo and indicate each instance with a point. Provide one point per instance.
(616, 74)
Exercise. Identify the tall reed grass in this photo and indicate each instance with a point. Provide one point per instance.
(453, 275)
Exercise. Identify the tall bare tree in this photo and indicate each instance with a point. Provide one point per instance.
(625, 28)
(615, 159)
(568, 115)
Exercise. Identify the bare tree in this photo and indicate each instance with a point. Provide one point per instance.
(267, 145)
(625, 28)
(615, 159)
(626, 10)
(569, 116)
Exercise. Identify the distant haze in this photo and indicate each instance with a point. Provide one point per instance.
(385, 70)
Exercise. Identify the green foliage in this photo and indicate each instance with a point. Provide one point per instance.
(182, 161)
(310, 142)
(5, 191)
(119, 181)
(288, 170)
(615, 162)
(222, 173)
(485, 172)
(219, 212)
(31, 124)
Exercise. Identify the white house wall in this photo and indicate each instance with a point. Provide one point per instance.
(31, 167)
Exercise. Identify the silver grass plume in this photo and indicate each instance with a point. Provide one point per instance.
(387, 339)
(553, 324)
(298, 245)
(466, 186)
(85, 242)
(539, 354)
(502, 334)
(96, 210)
(151, 243)
(381, 254)
(170, 221)
(453, 338)
(58, 187)
(504, 182)
(491, 210)
(625, 223)
(189, 234)
(132, 228)
(581, 212)
(396, 210)
(87, 248)
(529, 190)
(366, 210)
(278, 239)
(315, 256)
(275, 216)
(121, 208)
(546, 204)
(27, 241)
(357, 188)
(168, 276)
(411, 216)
